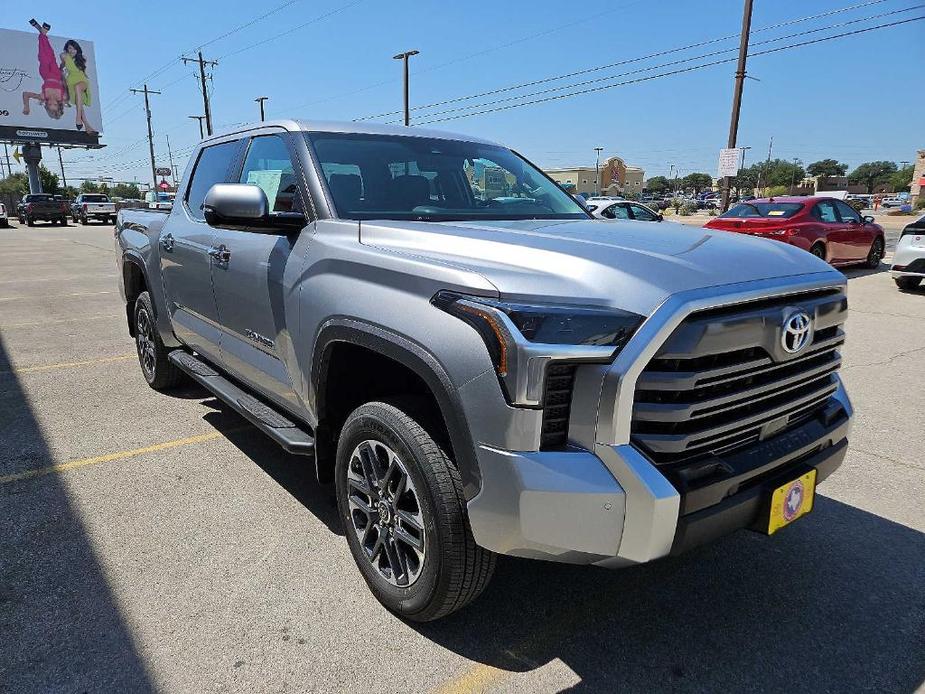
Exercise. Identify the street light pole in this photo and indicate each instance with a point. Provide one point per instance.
(404, 57)
(793, 174)
(737, 92)
(260, 100)
(597, 169)
(200, 119)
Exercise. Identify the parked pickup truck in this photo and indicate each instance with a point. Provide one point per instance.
(89, 206)
(485, 375)
(42, 207)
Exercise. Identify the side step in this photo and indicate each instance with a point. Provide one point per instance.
(286, 433)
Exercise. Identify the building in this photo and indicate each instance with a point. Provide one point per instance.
(613, 178)
(918, 176)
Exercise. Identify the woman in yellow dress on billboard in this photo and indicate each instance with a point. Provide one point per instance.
(74, 65)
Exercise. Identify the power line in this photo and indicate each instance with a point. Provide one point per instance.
(658, 54)
(669, 73)
(673, 63)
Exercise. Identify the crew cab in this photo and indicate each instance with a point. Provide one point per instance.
(828, 228)
(89, 206)
(44, 207)
(483, 373)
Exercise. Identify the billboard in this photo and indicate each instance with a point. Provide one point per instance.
(49, 87)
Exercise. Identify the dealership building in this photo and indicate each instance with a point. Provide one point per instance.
(614, 177)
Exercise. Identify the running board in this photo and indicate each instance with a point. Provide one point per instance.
(286, 433)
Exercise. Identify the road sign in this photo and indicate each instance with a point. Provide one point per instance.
(17, 156)
(162, 171)
(729, 161)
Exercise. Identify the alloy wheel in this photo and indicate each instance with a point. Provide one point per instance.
(385, 513)
(876, 253)
(144, 341)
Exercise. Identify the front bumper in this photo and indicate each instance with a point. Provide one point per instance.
(617, 508)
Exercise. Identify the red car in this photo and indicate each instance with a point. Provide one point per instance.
(828, 228)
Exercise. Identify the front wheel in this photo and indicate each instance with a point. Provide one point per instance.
(400, 499)
(875, 255)
(907, 284)
(63, 221)
(83, 219)
(157, 369)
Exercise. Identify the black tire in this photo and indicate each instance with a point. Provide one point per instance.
(63, 221)
(907, 284)
(30, 222)
(875, 255)
(83, 219)
(4, 224)
(156, 368)
(818, 250)
(454, 570)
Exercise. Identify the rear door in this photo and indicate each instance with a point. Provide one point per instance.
(825, 215)
(251, 288)
(858, 235)
(185, 242)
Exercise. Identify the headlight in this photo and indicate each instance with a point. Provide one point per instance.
(523, 338)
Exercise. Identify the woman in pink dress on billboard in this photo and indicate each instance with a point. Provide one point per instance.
(54, 93)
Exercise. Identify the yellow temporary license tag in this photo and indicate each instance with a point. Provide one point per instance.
(791, 501)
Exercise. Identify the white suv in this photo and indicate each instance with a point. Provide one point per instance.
(4, 220)
(909, 260)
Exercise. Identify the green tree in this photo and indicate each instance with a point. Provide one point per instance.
(902, 179)
(49, 181)
(17, 184)
(70, 192)
(872, 173)
(89, 187)
(658, 185)
(126, 190)
(781, 172)
(697, 182)
(827, 167)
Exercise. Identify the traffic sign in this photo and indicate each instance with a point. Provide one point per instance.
(163, 171)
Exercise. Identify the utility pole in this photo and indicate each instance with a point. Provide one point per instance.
(200, 119)
(205, 92)
(793, 174)
(597, 170)
(6, 153)
(404, 56)
(767, 165)
(146, 92)
(61, 164)
(173, 169)
(737, 92)
(260, 100)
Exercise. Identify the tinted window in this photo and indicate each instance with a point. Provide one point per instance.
(764, 209)
(616, 212)
(643, 214)
(847, 212)
(432, 179)
(269, 166)
(825, 211)
(94, 198)
(211, 168)
(38, 197)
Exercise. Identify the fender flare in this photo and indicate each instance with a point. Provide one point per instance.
(131, 258)
(420, 361)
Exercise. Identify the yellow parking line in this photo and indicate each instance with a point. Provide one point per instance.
(110, 457)
(58, 320)
(478, 679)
(68, 364)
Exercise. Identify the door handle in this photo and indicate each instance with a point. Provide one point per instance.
(221, 254)
(167, 242)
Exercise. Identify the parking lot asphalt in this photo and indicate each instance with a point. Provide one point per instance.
(152, 542)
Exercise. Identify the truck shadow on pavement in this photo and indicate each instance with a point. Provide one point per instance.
(833, 603)
(61, 628)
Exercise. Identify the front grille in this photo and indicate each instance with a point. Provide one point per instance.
(557, 404)
(722, 382)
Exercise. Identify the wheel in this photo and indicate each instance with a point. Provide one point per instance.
(818, 250)
(83, 219)
(875, 254)
(152, 355)
(30, 222)
(4, 223)
(400, 499)
(63, 221)
(907, 284)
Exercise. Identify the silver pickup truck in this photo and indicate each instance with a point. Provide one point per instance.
(477, 365)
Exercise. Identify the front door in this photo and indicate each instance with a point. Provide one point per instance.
(834, 230)
(185, 241)
(253, 288)
(858, 235)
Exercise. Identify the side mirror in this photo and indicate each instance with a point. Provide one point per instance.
(869, 219)
(245, 205)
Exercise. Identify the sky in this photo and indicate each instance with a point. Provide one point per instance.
(855, 99)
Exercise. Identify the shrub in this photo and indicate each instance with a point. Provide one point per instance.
(688, 208)
(920, 202)
(857, 204)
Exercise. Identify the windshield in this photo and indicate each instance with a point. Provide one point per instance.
(764, 209)
(95, 198)
(426, 179)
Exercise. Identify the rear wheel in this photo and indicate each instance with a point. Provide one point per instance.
(400, 499)
(30, 222)
(157, 369)
(818, 250)
(63, 221)
(907, 284)
(83, 219)
(876, 254)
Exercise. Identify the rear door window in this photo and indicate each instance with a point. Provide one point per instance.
(213, 166)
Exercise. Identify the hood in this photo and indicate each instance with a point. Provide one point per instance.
(630, 265)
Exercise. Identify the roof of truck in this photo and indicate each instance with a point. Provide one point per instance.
(351, 127)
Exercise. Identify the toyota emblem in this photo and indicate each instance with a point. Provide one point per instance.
(797, 332)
